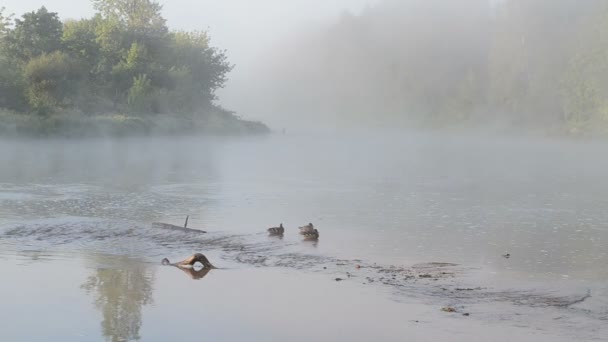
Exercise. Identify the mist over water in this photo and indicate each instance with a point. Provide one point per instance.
(396, 199)
(413, 134)
(385, 202)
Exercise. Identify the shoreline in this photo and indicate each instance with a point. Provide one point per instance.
(290, 299)
(116, 125)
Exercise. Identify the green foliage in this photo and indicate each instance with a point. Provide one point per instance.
(142, 17)
(139, 94)
(5, 22)
(51, 80)
(36, 33)
(132, 21)
(207, 66)
(11, 86)
(80, 39)
(124, 59)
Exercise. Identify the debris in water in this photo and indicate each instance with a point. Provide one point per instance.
(167, 226)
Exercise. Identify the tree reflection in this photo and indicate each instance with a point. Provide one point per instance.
(120, 295)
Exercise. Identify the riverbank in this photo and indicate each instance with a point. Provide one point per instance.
(76, 125)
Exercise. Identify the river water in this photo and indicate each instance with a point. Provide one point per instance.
(409, 224)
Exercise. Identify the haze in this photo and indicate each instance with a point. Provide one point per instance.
(442, 159)
(498, 66)
(246, 29)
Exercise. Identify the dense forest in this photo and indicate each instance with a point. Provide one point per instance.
(120, 72)
(537, 65)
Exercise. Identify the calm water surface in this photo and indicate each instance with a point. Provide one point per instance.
(77, 246)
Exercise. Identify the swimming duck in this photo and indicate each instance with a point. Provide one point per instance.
(307, 229)
(276, 230)
(189, 262)
(311, 235)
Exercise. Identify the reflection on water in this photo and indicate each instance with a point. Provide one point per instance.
(120, 295)
(195, 273)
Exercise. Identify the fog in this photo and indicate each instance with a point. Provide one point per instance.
(449, 152)
(336, 65)
(249, 30)
(499, 66)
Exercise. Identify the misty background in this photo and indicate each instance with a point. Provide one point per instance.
(520, 223)
(502, 65)
(246, 29)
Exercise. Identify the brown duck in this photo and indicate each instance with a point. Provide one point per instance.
(311, 235)
(307, 229)
(276, 230)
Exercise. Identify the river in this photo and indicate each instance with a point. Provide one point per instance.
(408, 223)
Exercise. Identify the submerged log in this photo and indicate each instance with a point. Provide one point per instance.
(173, 227)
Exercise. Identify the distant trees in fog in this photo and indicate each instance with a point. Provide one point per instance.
(522, 63)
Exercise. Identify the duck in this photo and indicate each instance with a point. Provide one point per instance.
(311, 235)
(307, 229)
(276, 230)
(190, 261)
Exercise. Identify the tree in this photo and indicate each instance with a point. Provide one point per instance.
(80, 39)
(122, 60)
(135, 63)
(139, 99)
(51, 82)
(5, 23)
(534, 44)
(141, 18)
(11, 86)
(584, 82)
(35, 34)
(207, 66)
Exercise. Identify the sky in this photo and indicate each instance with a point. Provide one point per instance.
(247, 29)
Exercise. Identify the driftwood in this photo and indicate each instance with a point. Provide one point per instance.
(187, 266)
(190, 261)
(173, 227)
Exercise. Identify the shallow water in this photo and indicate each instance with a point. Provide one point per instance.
(387, 209)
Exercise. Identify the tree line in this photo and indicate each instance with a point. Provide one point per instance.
(518, 64)
(122, 60)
